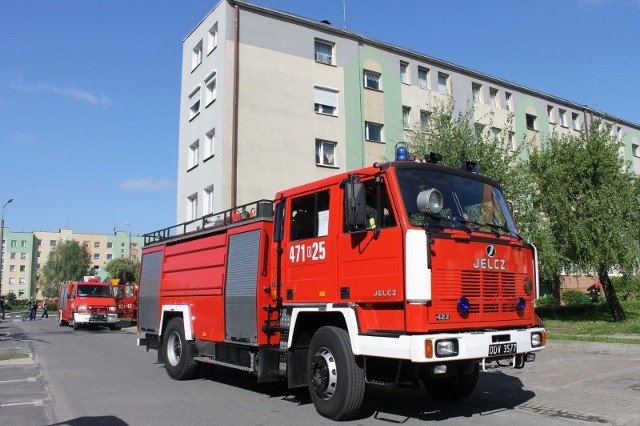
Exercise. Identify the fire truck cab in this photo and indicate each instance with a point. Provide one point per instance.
(403, 272)
(87, 303)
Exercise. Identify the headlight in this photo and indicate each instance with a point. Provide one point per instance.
(536, 340)
(113, 310)
(83, 308)
(446, 348)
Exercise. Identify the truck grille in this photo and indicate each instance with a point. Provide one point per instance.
(488, 291)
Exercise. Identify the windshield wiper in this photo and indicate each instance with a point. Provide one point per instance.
(495, 228)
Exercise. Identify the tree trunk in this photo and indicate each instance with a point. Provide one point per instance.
(554, 288)
(613, 303)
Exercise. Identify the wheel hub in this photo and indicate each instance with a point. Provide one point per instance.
(323, 373)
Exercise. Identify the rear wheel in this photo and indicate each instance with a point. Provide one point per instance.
(61, 322)
(456, 387)
(335, 378)
(178, 353)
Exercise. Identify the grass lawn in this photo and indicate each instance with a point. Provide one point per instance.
(591, 323)
(6, 357)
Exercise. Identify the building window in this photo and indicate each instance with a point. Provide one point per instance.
(550, 114)
(208, 200)
(12, 268)
(22, 281)
(96, 256)
(575, 119)
(23, 243)
(406, 117)
(531, 121)
(212, 38)
(404, 72)
(85, 244)
(14, 243)
(512, 141)
(325, 100)
(23, 256)
(562, 117)
(325, 153)
(109, 256)
(493, 97)
(23, 268)
(192, 206)
(12, 256)
(507, 101)
(443, 83)
(372, 80)
(425, 117)
(324, 52)
(38, 254)
(194, 103)
(109, 245)
(209, 143)
(96, 244)
(12, 281)
(52, 243)
(194, 149)
(476, 90)
(38, 243)
(210, 89)
(495, 133)
(423, 78)
(373, 132)
(619, 133)
(196, 56)
(635, 150)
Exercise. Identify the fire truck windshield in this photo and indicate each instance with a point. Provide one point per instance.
(468, 203)
(94, 290)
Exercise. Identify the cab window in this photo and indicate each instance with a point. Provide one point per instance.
(310, 216)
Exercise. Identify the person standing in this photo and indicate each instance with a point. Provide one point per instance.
(33, 308)
(1, 307)
(45, 308)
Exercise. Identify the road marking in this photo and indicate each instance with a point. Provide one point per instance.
(15, 404)
(30, 379)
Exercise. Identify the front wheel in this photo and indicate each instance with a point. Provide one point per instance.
(178, 353)
(61, 322)
(335, 377)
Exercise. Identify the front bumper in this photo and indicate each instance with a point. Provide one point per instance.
(93, 318)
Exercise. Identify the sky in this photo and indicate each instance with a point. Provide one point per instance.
(90, 90)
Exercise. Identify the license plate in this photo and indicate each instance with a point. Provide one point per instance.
(503, 349)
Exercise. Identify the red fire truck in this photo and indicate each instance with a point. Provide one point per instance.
(87, 303)
(127, 298)
(401, 273)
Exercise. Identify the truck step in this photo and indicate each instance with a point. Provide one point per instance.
(210, 360)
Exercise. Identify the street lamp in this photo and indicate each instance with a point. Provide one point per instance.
(2, 241)
(129, 225)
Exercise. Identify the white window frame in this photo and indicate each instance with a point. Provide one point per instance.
(325, 100)
(508, 101)
(425, 119)
(443, 83)
(322, 57)
(194, 103)
(494, 99)
(207, 200)
(209, 144)
(326, 153)
(379, 128)
(550, 114)
(513, 144)
(372, 80)
(423, 83)
(406, 117)
(196, 56)
(534, 119)
(192, 206)
(575, 118)
(210, 88)
(404, 72)
(562, 117)
(476, 92)
(193, 155)
(212, 38)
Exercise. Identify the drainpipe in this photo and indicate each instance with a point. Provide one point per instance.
(234, 129)
(586, 125)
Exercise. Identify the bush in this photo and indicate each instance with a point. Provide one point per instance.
(574, 297)
(627, 288)
(576, 312)
(545, 301)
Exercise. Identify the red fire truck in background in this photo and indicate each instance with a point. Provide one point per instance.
(403, 272)
(87, 303)
(127, 299)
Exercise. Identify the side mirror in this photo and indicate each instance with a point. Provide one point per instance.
(354, 204)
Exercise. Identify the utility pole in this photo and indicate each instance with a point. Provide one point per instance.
(129, 225)
(2, 241)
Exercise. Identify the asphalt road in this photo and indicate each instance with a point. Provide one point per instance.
(100, 377)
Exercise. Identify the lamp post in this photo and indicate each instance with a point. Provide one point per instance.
(1, 242)
(129, 225)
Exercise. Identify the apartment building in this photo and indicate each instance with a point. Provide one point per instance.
(270, 100)
(25, 253)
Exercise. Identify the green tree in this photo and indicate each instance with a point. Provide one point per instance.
(124, 269)
(68, 261)
(591, 200)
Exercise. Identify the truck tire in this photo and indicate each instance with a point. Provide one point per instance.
(74, 324)
(335, 378)
(452, 388)
(178, 353)
(61, 322)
